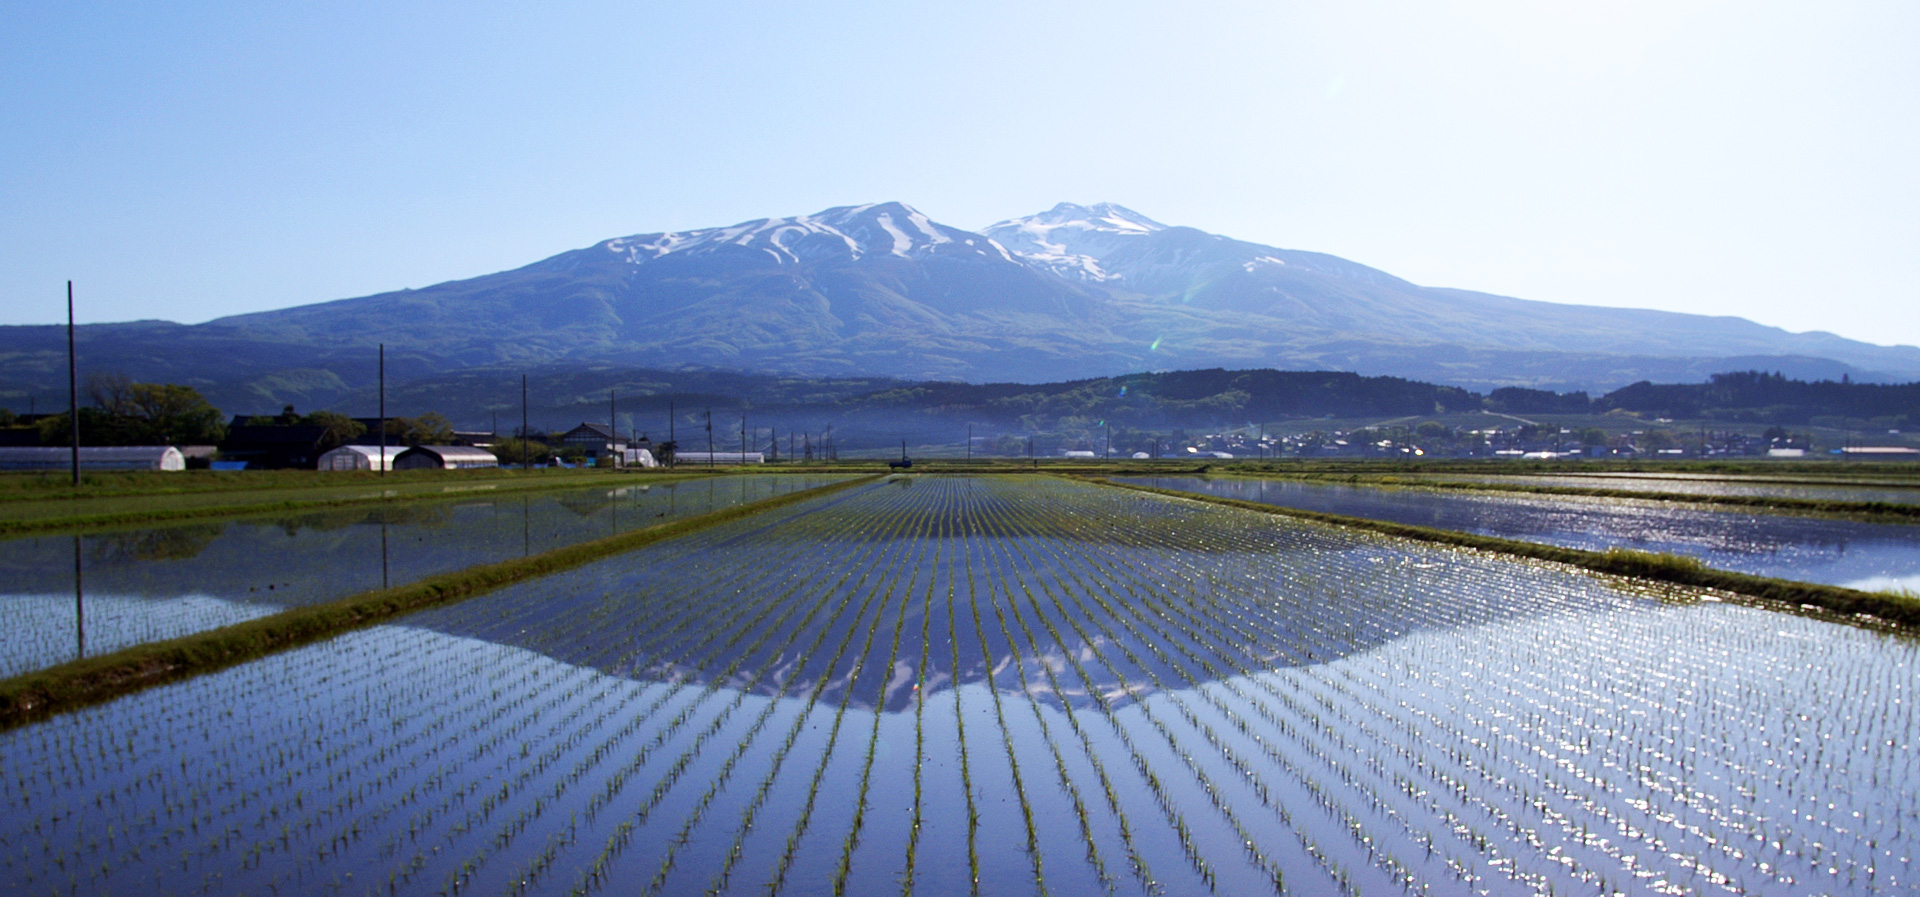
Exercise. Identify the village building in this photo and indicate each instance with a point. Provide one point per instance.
(596, 440)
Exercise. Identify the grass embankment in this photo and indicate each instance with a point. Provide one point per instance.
(106, 508)
(77, 684)
(1680, 570)
(1876, 511)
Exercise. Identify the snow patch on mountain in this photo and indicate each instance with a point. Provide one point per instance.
(1069, 239)
(844, 233)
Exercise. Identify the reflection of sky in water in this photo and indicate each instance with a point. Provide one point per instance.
(1596, 742)
(43, 630)
(255, 565)
(1809, 549)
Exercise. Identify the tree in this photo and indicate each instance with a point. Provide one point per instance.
(129, 413)
(340, 429)
(509, 450)
(427, 429)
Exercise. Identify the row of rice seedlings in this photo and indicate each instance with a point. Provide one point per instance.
(1648, 758)
(721, 879)
(705, 645)
(787, 607)
(1101, 620)
(920, 686)
(1169, 807)
(925, 542)
(881, 586)
(1344, 773)
(1202, 630)
(599, 871)
(1399, 874)
(800, 580)
(1000, 717)
(218, 758)
(736, 630)
(1065, 778)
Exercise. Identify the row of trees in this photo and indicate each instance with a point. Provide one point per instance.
(431, 428)
(127, 413)
(122, 412)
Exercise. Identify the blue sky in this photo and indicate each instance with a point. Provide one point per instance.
(187, 161)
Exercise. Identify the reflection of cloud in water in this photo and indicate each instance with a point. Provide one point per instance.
(41, 629)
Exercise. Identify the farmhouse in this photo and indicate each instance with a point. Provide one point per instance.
(597, 441)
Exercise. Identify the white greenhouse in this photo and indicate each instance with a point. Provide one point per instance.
(93, 457)
(360, 457)
(444, 457)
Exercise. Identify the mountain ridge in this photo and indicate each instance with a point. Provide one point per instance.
(881, 289)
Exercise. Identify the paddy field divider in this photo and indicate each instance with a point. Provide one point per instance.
(1675, 569)
(69, 686)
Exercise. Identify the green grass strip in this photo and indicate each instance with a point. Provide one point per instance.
(1680, 570)
(92, 680)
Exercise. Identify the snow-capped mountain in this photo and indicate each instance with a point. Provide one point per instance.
(1069, 240)
(844, 233)
(1108, 243)
(883, 289)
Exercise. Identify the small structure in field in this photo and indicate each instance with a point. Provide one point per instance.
(444, 457)
(93, 457)
(360, 457)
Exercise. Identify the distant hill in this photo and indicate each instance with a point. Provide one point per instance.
(882, 291)
(874, 411)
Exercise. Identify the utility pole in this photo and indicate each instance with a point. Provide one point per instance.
(743, 439)
(73, 391)
(383, 410)
(670, 440)
(613, 423)
(709, 436)
(1107, 453)
(526, 432)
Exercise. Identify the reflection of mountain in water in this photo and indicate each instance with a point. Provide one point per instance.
(962, 581)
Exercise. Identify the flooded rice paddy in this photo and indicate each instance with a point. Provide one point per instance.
(1873, 556)
(141, 585)
(1866, 489)
(1008, 686)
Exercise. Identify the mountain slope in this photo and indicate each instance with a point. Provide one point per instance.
(882, 290)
